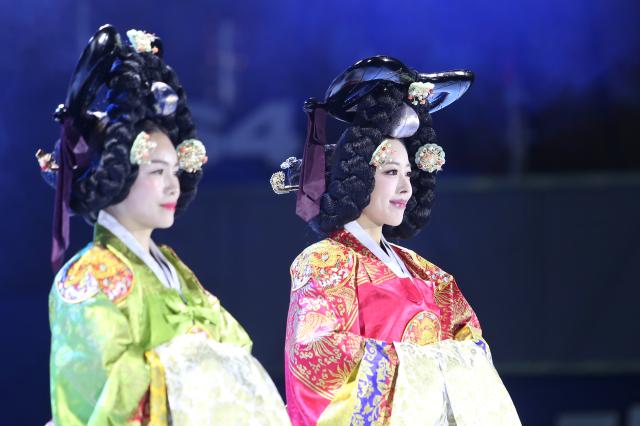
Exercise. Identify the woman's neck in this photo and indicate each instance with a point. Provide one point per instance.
(374, 230)
(140, 234)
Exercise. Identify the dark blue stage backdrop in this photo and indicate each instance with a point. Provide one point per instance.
(537, 210)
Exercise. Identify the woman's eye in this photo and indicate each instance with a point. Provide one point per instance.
(392, 172)
(157, 172)
(409, 174)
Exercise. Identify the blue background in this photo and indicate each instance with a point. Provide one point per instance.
(536, 213)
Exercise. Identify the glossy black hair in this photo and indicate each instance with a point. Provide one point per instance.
(130, 110)
(350, 177)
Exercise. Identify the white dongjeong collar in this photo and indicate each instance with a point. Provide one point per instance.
(154, 260)
(391, 260)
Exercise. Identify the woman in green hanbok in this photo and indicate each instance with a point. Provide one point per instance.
(136, 339)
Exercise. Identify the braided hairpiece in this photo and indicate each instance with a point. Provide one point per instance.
(131, 110)
(350, 180)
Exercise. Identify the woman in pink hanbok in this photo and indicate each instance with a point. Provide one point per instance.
(375, 333)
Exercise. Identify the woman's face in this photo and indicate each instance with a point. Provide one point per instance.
(151, 202)
(392, 188)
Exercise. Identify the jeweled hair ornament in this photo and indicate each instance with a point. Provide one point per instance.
(430, 158)
(141, 149)
(46, 161)
(280, 179)
(419, 92)
(192, 155)
(382, 154)
(142, 41)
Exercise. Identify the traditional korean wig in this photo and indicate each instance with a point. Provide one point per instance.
(130, 108)
(118, 89)
(379, 98)
(350, 177)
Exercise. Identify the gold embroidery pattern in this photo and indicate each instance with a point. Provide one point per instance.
(375, 376)
(449, 382)
(455, 311)
(324, 350)
(321, 351)
(378, 272)
(94, 269)
(422, 329)
(157, 391)
(326, 262)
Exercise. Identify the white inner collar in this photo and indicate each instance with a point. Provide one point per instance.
(390, 258)
(154, 259)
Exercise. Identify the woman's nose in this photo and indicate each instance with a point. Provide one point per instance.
(173, 185)
(405, 184)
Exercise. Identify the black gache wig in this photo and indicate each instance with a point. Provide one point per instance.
(374, 96)
(350, 177)
(117, 90)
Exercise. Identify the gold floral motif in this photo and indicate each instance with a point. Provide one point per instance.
(328, 263)
(324, 347)
(455, 311)
(422, 329)
(313, 326)
(94, 269)
(375, 376)
(321, 351)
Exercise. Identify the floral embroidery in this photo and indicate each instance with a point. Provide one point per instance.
(320, 351)
(199, 330)
(377, 369)
(324, 348)
(455, 311)
(92, 270)
(328, 263)
(422, 329)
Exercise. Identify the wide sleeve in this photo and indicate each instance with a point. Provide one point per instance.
(333, 375)
(98, 374)
(457, 314)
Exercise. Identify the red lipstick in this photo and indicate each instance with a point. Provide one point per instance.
(399, 203)
(169, 206)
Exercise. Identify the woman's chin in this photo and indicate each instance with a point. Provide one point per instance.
(165, 223)
(395, 221)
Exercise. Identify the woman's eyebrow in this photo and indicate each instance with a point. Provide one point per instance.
(166, 163)
(396, 163)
